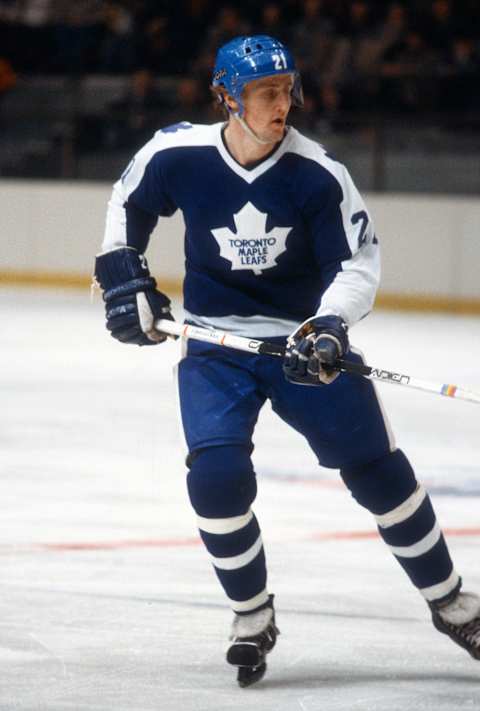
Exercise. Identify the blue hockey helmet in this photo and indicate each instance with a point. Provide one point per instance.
(245, 59)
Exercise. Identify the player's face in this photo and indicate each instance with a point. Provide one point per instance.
(267, 103)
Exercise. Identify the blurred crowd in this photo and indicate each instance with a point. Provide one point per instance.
(354, 55)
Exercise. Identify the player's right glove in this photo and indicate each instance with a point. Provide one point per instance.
(132, 301)
(313, 349)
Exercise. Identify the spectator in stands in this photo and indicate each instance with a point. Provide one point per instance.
(156, 49)
(355, 58)
(116, 51)
(229, 23)
(8, 78)
(190, 26)
(202, 65)
(190, 100)
(191, 103)
(290, 11)
(315, 43)
(408, 70)
(272, 22)
(359, 57)
(25, 34)
(9, 41)
(463, 57)
(77, 32)
(389, 33)
(469, 24)
(355, 54)
(8, 10)
(459, 89)
(359, 21)
(440, 25)
(133, 119)
(313, 39)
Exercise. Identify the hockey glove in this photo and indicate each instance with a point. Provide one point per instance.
(132, 301)
(312, 350)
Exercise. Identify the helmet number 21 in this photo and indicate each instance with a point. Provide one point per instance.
(279, 61)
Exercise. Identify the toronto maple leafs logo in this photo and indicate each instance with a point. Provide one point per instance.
(251, 247)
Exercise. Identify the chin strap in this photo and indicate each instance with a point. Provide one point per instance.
(249, 131)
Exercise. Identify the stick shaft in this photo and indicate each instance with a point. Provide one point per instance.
(210, 335)
(250, 345)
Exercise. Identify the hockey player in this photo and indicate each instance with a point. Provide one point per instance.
(278, 243)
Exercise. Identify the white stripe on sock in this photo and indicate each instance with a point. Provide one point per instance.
(419, 548)
(246, 605)
(224, 525)
(436, 592)
(239, 561)
(404, 510)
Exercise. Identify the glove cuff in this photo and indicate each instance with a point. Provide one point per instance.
(331, 326)
(131, 287)
(123, 267)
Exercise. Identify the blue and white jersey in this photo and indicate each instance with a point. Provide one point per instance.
(267, 246)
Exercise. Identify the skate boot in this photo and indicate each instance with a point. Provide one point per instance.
(252, 637)
(460, 620)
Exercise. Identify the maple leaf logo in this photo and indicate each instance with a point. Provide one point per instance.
(251, 246)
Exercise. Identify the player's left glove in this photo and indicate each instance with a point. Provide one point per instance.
(312, 350)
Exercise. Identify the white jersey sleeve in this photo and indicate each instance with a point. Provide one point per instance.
(352, 271)
(352, 292)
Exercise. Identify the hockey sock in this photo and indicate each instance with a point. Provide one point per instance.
(406, 522)
(221, 485)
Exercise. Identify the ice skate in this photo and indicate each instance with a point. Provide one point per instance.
(460, 620)
(252, 637)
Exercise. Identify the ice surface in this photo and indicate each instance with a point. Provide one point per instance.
(108, 600)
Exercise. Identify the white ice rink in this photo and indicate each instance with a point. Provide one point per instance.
(108, 602)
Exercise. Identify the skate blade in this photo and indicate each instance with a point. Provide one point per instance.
(438, 624)
(250, 675)
(244, 655)
(475, 653)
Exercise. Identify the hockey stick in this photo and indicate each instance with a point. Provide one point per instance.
(210, 335)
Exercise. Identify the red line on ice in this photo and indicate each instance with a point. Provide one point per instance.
(356, 535)
(101, 545)
(189, 542)
(114, 545)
